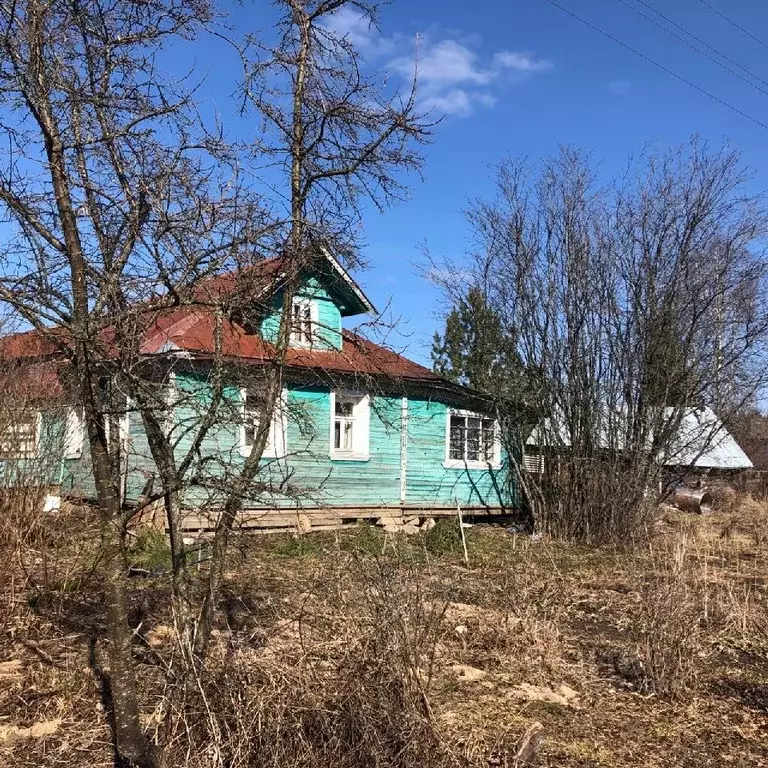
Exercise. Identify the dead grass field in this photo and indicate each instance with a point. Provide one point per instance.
(355, 648)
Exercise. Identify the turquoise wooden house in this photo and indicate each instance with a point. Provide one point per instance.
(360, 432)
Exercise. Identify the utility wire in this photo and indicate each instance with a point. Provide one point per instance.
(698, 40)
(658, 64)
(733, 23)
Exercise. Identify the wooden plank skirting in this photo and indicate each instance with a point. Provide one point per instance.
(306, 519)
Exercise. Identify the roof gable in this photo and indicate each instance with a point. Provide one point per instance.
(269, 275)
(340, 283)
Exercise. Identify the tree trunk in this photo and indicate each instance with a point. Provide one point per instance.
(132, 748)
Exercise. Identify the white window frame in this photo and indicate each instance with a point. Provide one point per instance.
(300, 340)
(361, 432)
(465, 463)
(38, 428)
(74, 432)
(276, 446)
(123, 426)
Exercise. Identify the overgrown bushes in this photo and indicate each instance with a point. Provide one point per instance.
(346, 685)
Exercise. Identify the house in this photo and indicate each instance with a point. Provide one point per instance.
(701, 446)
(360, 432)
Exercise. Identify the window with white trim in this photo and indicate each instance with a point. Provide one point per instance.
(252, 405)
(472, 440)
(74, 433)
(303, 322)
(350, 426)
(19, 437)
(123, 426)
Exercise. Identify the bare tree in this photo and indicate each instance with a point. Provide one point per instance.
(629, 305)
(337, 140)
(125, 210)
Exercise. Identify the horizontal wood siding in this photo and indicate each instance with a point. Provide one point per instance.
(45, 467)
(428, 481)
(341, 482)
(328, 315)
(306, 477)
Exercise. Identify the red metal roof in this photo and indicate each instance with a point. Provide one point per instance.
(192, 330)
(252, 279)
(26, 344)
(36, 380)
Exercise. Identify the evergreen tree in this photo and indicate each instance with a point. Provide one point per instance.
(476, 350)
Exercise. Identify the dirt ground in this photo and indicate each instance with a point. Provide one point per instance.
(656, 656)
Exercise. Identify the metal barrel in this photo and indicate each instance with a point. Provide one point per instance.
(689, 500)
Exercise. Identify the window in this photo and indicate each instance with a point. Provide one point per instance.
(302, 322)
(252, 405)
(74, 429)
(123, 424)
(472, 440)
(350, 421)
(19, 438)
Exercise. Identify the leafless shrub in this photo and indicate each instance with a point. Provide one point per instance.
(351, 689)
(670, 637)
(21, 518)
(668, 625)
(725, 500)
(617, 311)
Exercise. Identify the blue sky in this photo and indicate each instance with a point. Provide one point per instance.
(522, 77)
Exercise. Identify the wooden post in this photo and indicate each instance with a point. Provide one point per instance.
(463, 538)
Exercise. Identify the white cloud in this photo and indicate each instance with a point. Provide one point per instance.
(520, 62)
(357, 28)
(457, 102)
(453, 79)
(453, 76)
(349, 23)
(445, 62)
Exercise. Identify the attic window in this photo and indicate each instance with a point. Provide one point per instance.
(302, 322)
(472, 440)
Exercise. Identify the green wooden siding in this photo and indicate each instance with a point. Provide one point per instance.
(45, 468)
(328, 329)
(307, 476)
(428, 481)
(373, 482)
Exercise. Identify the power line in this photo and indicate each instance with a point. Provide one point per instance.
(698, 40)
(658, 64)
(733, 23)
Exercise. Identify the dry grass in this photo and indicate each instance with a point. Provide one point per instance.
(351, 650)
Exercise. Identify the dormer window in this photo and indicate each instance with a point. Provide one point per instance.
(302, 323)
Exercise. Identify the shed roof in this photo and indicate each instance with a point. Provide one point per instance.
(702, 441)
